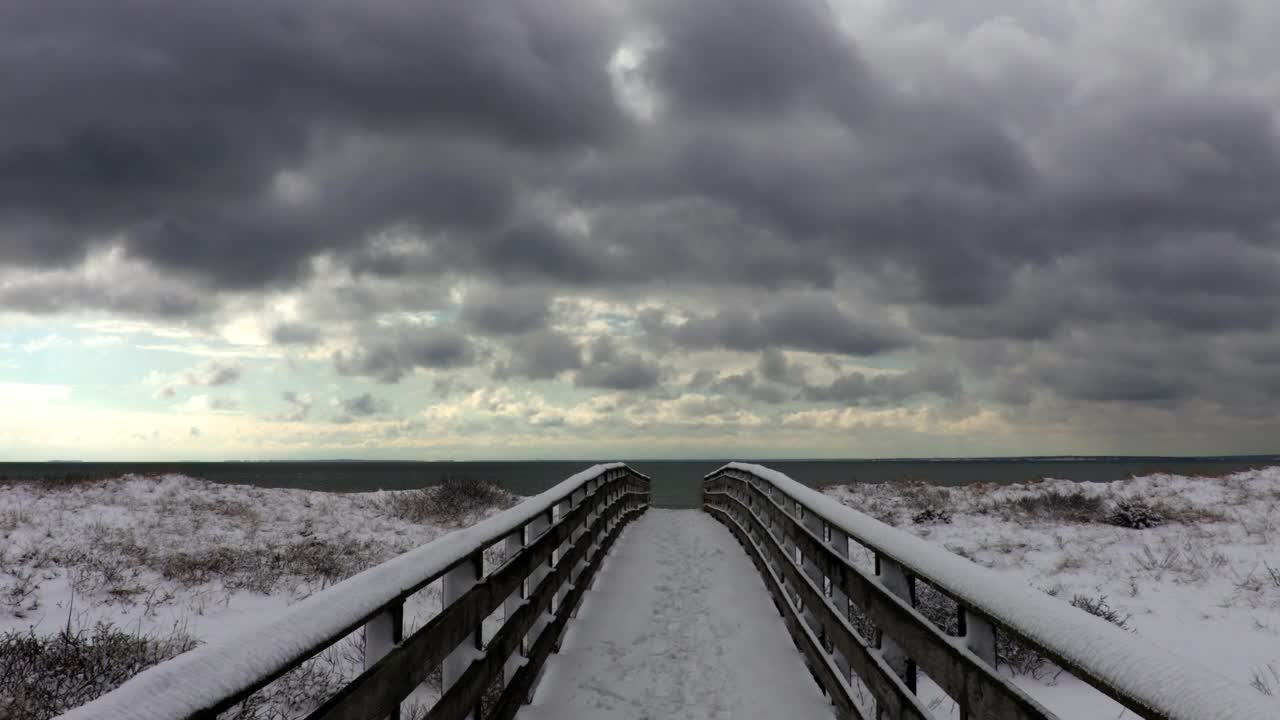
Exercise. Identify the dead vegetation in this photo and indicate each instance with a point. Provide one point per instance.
(455, 501)
(42, 676)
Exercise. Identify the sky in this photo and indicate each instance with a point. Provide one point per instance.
(652, 228)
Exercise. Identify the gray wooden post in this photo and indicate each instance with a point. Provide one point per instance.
(561, 510)
(895, 580)
(980, 638)
(381, 634)
(456, 583)
(535, 528)
(816, 525)
(593, 516)
(575, 500)
(839, 543)
(514, 543)
(793, 510)
(749, 507)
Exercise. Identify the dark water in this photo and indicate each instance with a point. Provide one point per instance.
(676, 483)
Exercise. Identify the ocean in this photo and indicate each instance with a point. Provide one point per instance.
(676, 483)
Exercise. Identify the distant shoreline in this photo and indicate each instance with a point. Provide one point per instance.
(677, 483)
(957, 459)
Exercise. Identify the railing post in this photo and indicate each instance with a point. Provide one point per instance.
(839, 544)
(594, 495)
(979, 636)
(575, 499)
(381, 634)
(812, 568)
(895, 579)
(561, 510)
(787, 530)
(513, 545)
(534, 529)
(456, 583)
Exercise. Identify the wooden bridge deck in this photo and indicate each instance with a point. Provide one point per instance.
(677, 624)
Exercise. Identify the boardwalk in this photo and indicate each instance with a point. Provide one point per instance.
(677, 624)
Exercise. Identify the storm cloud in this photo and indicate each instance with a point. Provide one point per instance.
(1044, 212)
(396, 353)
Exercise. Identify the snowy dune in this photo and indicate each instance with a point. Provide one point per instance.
(1204, 582)
(70, 538)
(174, 557)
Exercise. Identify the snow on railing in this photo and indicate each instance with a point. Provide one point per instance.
(553, 543)
(846, 620)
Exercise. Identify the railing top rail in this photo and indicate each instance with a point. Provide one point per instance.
(1132, 666)
(197, 680)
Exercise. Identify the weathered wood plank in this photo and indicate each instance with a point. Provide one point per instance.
(381, 635)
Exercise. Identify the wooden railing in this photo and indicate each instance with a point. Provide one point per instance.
(854, 625)
(553, 543)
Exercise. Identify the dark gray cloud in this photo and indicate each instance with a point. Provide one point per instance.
(610, 368)
(813, 323)
(756, 56)
(506, 310)
(295, 334)
(170, 124)
(858, 389)
(749, 385)
(396, 352)
(363, 405)
(540, 355)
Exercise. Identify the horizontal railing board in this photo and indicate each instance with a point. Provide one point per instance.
(1136, 672)
(193, 684)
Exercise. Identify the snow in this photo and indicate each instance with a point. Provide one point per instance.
(1135, 664)
(235, 659)
(679, 614)
(678, 624)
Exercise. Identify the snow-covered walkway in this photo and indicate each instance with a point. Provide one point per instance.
(678, 625)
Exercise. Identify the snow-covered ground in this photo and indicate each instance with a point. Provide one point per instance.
(1204, 583)
(175, 557)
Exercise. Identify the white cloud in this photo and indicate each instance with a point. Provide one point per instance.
(19, 394)
(204, 403)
